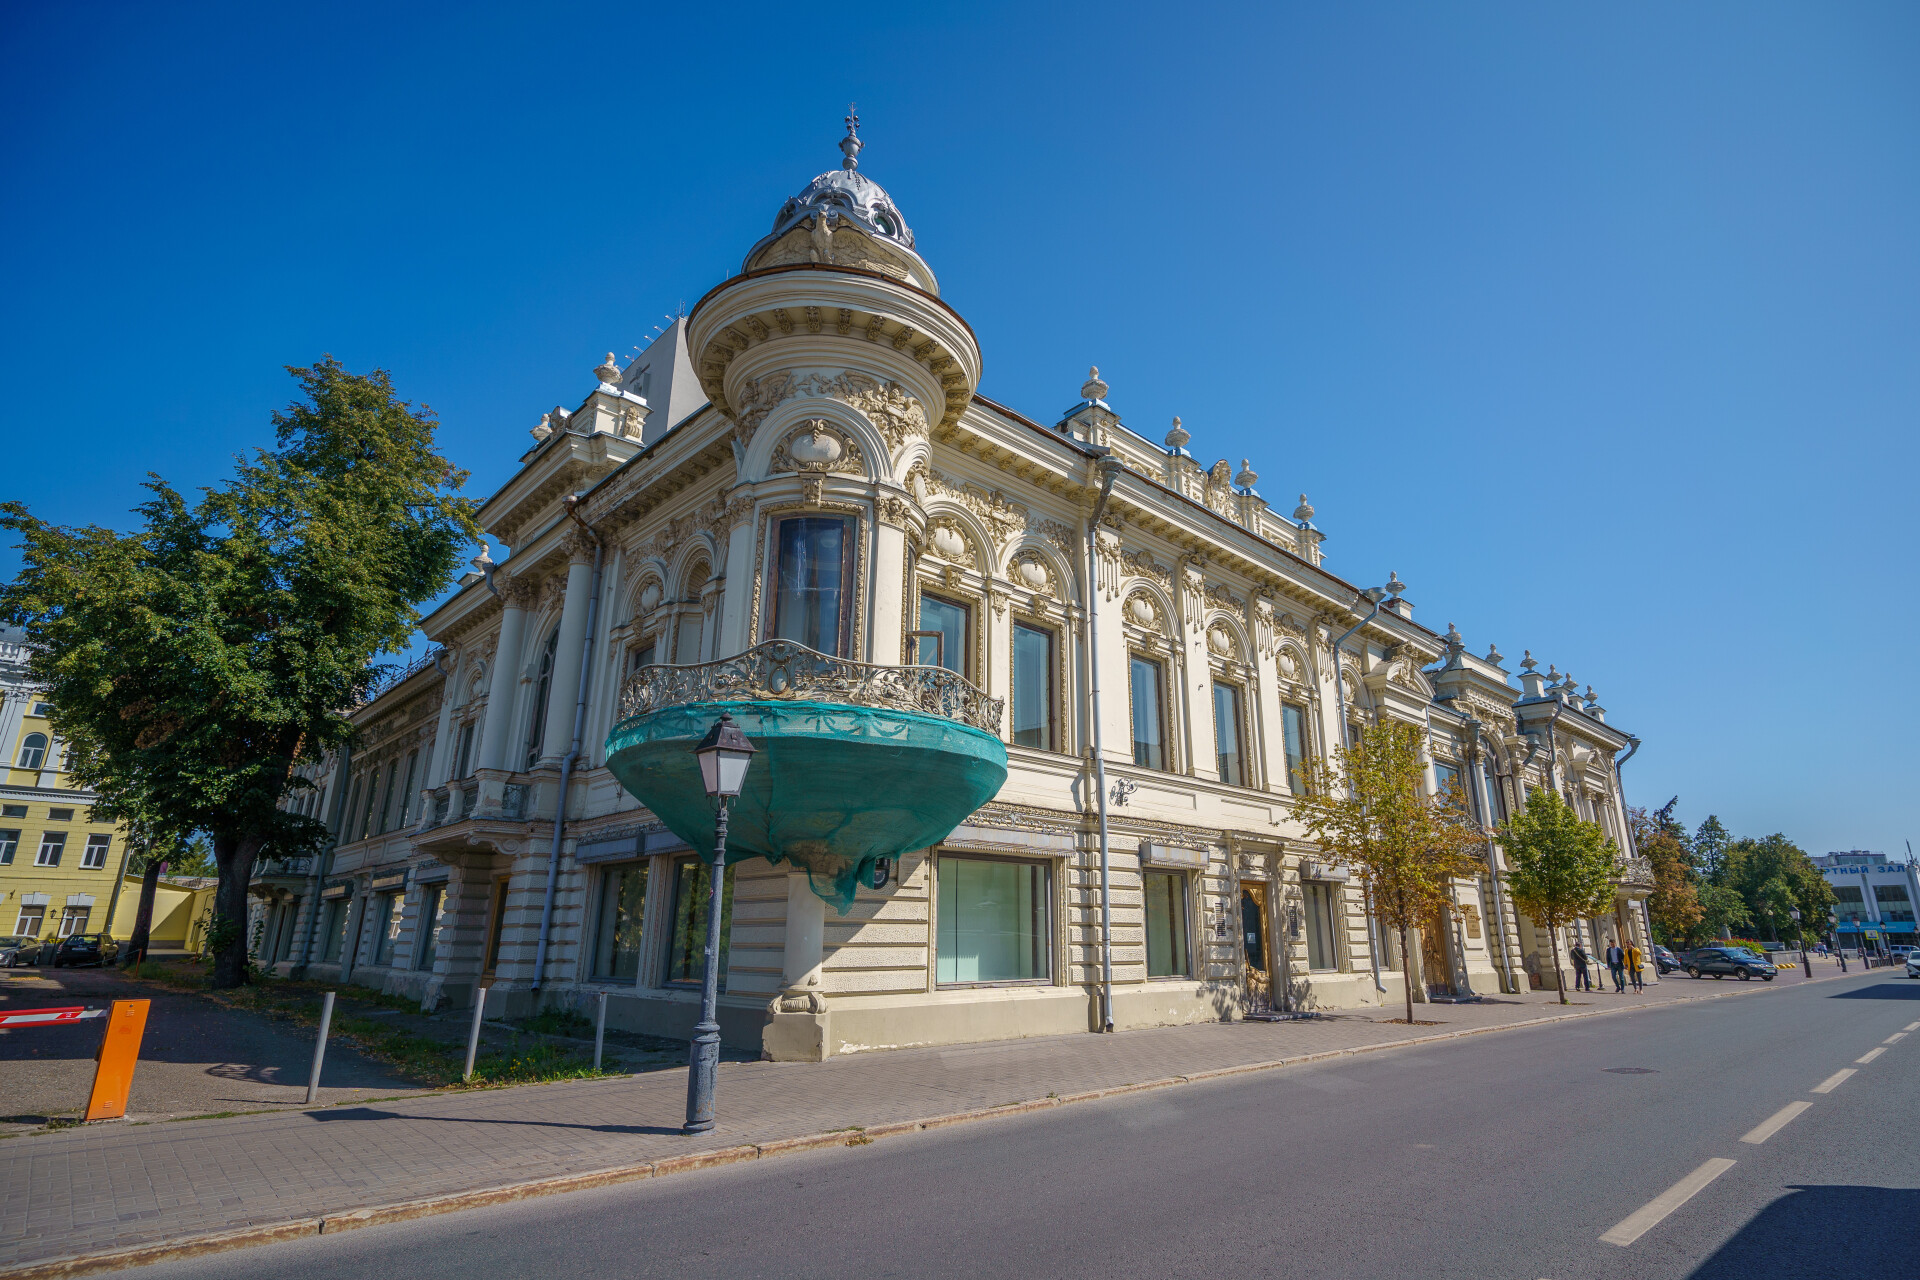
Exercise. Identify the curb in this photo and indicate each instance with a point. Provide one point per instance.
(432, 1206)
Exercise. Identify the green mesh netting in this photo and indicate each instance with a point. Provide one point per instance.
(831, 789)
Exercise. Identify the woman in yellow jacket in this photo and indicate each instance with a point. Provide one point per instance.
(1634, 960)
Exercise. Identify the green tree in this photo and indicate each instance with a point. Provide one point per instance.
(1561, 867)
(1710, 846)
(197, 660)
(1722, 910)
(1674, 904)
(1369, 809)
(1774, 877)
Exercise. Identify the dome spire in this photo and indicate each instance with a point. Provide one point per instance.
(851, 144)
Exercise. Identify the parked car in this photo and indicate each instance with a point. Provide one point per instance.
(1913, 964)
(1721, 961)
(1664, 960)
(17, 949)
(77, 949)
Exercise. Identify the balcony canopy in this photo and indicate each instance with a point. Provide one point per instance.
(855, 762)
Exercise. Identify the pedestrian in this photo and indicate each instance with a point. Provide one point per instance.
(1634, 961)
(1580, 980)
(1617, 966)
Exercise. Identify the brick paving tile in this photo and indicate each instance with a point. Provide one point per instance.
(81, 1190)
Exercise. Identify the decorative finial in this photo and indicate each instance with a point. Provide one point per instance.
(1528, 661)
(851, 144)
(1591, 696)
(609, 370)
(1303, 512)
(1553, 674)
(1494, 655)
(545, 428)
(1178, 437)
(1093, 389)
(1455, 642)
(1394, 585)
(1248, 477)
(483, 561)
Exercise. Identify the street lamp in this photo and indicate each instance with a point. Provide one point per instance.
(724, 755)
(1806, 966)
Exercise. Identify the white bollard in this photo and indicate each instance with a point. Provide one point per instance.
(600, 1031)
(320, 1047)
(473, 1036)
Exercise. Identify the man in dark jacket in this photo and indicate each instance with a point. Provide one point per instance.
(1617, 966)
(1580, 980)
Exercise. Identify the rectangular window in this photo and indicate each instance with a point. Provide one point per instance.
(1293, 737)
(433, 914)
(1895, 906)
(13, 811)
(94, 856)
(386, 801)
(1229, 757)
(1446, 782)
(1166, 894)
(641, 657)
(52, 844)
(686, 641)
(288, 931)
(813, 596)
(950, 620)
(373, 797)
(59, 815)
(992, 921)
(623, 898)
(1149, 744)
(1033, 687)
(497, 924)
(1497, 803)
(463, 764)
(336, 929)
(686, 948)
(1319, 906)
(31, 918)
(42, 709)
(388, 910)
(9, 842)
(406, 787)
(74, 920)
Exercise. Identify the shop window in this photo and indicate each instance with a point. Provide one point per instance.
(686, 947)
(992, 921)
(1166, 900)
(74, 920)
(1149, 738)
(94, 856)
(1293, 738)
(1319, 908)
(52, 845)
(33, 750)
(433, 917)
(813, 573)
(30, 921)
(1033, 687)
(1229, 755)
(947, 647)
(9, 844)
(542, 687)
(623, 899)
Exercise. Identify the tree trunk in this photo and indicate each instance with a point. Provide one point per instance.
(143, 914)
(1406, 974)
(1559, 978)
(234, 855)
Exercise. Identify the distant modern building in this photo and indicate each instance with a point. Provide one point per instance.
(1874, 895)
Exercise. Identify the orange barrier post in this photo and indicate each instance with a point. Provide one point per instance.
(113, 1076)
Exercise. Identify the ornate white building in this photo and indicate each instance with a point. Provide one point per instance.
(805, 458)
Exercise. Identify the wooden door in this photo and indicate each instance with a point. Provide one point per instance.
(1435, 970)
(1256, 947)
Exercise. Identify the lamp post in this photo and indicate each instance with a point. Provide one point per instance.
(1805, 966)
(724, 755)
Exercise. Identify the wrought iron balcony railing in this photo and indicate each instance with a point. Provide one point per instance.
(783, 671)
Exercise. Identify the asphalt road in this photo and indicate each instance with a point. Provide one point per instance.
(1500, 1155)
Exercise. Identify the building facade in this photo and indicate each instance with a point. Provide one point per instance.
(804, 459)
(1874, 897)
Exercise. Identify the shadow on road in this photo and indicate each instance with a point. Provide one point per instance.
(1881, 991)
(1853, 1231)
(372, 1113)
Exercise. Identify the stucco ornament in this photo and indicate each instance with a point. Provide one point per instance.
(1220, 641)
(650, 597)
(949, 543)
(1033, 575)
(817, 446)
(1140, 611)
(1289, 665)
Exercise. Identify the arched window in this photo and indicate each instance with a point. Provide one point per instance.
(33, 750)
(541, 688)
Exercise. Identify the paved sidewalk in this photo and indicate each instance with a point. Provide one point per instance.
(112, 1186)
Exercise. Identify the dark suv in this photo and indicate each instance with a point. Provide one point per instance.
(1664, 960)
(85, 948)
(1721, 961)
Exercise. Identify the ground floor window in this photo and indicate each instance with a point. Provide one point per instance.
(388, 910)
(74, 920)
(992, 921)
(433, 911)
(1166, 894)
(496, 925)
(31, 918)
(623, 895)
(336, 929)
(686, 948)
(1319, 904)
(283, 948)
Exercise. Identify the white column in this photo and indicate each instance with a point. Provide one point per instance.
(441, 761)
(806, 932)
(13, 708)
(503, 680)
(889, 588)
(564, 691)
(736, 604)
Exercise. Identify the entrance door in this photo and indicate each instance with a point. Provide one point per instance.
(1435, 971)
(1253, 938)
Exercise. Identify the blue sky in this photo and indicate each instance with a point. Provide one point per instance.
(1598, 324)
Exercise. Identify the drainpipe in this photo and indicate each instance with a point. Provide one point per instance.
(573, 749)
(1378, 596)
(342, 765)
(1107, 467)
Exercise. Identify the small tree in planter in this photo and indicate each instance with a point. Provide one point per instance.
(1368, 808)
(1560, 867)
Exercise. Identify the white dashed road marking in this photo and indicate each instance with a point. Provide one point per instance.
(1911, 1026)
(1649, 1216)
(1834, 1081)
(1895, 1038)
(1774, 1123)
(1867, 1057)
